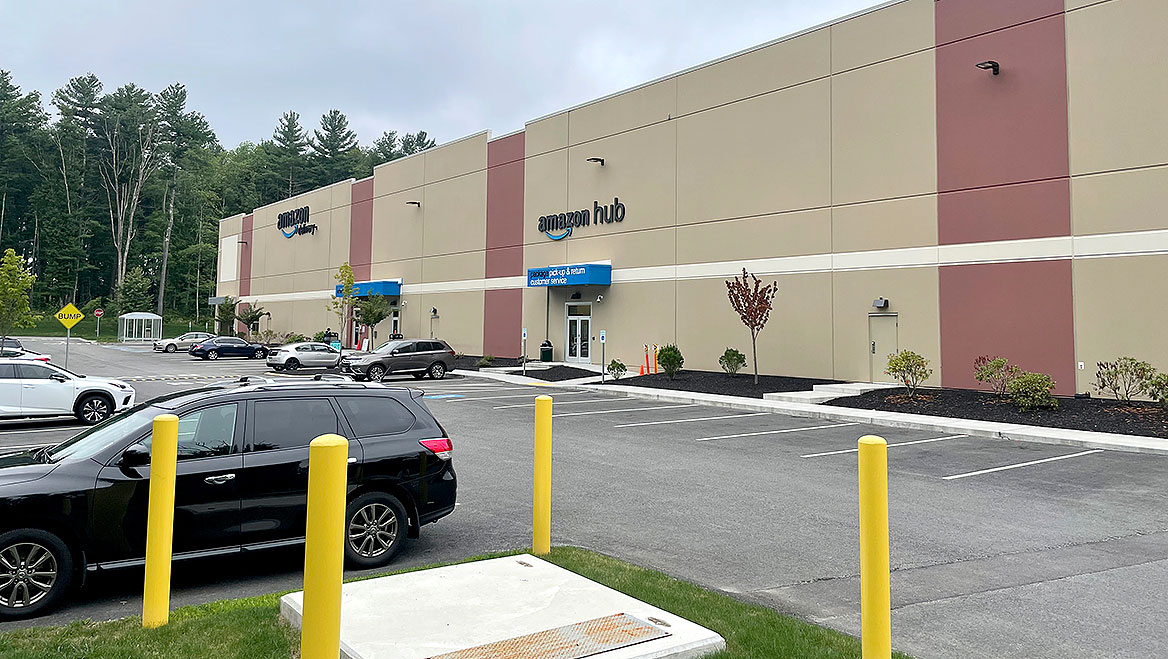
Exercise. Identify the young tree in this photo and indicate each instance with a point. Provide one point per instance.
(134, 293)
(251, 316)
(289, 148)
(372, 310)
(15, 283)
(342, 306)
(225, 316)
(752, 302)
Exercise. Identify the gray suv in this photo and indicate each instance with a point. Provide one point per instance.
(309, 354)
(419, 357)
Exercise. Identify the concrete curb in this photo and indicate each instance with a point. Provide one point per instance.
(946, 425)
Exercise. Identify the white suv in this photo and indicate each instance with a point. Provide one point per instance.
(29, 389)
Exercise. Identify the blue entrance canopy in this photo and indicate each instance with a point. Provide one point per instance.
(582, 274)
(386, 287)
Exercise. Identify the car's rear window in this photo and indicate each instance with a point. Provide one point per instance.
(370, 416)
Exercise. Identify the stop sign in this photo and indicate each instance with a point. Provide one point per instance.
(98, 313)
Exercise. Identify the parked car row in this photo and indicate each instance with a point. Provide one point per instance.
(242, 480)
(418, 357)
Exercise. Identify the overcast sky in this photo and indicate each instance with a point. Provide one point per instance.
(449, 67)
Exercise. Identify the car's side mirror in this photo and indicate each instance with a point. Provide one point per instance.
(135, 455)
(395, 351)
(58, 377)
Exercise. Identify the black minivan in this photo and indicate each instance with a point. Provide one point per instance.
(241, 486)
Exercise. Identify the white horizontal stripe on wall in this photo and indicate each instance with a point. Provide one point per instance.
(1135, 243)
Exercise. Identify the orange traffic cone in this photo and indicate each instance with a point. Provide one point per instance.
(642, 369)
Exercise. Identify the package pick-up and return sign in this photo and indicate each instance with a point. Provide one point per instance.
(69, 316)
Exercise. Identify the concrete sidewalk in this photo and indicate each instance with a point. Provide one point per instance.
(1018, 432)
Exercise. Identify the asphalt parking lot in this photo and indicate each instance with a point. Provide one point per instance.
(999, 549)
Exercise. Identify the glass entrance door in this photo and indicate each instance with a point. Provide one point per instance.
(579, 339)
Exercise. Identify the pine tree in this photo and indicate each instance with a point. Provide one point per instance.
(289, 149)
(334, 149)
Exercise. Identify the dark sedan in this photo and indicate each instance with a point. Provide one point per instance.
(228, 346)
(241, 486)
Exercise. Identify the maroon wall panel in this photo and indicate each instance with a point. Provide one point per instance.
(1007, 128)
(361, 229)
(505, 261)
(502, 322)
(505, 192)
(1022, 311)
(245, 255)
(1012, 212)
(959, 19)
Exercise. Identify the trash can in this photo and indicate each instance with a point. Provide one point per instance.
(545, 351)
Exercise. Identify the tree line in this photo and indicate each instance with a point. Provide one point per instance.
(113, 198)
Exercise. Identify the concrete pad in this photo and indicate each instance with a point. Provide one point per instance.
(431, 612)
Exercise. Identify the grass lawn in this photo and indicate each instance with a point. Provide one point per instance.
(251, 627)
(87, 328)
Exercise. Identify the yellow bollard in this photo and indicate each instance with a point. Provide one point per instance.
(875, 595)
(324, 548)
(160, 521)
(541, 525)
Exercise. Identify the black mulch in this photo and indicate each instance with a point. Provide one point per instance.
(470, 362)
(558, 373)
(717, 382)
(1097, 414)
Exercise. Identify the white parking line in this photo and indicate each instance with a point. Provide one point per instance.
(1022, 464)
(567, 402)
(773, 432)
(700, 418)
(21, 432)
(567, 393)
(627, 409)
(454, 390)
(853, 450)
(22, 447)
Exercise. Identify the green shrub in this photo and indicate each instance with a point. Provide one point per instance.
(997, 372)
(1123, 378)
(295, 337)
(318, 337)
(670, 359)
(909, 369)
(617, 369)
(732, 361)
(1156, 388)
(485, 360)
(1031, 391)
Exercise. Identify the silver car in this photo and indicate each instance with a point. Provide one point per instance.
(183, 342)
(310, 354)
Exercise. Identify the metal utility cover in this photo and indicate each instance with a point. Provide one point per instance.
(583, 639)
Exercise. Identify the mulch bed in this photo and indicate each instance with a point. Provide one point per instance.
(558, 373)
(717, 382)
(470, 362)
(1096, 414)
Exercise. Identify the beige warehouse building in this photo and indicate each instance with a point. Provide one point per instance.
(995, 170)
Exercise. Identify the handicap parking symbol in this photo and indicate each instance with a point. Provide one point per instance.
(441, 396)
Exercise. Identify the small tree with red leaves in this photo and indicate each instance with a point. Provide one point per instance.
(752, 301)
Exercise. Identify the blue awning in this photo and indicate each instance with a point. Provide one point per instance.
(582, 274)
(386, 287)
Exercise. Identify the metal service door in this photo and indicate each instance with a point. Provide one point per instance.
(579, 340)
(882, 342)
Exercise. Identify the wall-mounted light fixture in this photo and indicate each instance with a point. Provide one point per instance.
(599, 160)
(989, 65)
(575, 296)
(880, 303)
(243, 242)
(434, 311)
(414, 203)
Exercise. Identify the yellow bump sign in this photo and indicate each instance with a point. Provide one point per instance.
(69, 316)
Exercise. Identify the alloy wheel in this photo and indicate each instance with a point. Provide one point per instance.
(95, 409)
(376, 373)
(214, 354)
(437, 371)
(372, 530)
(28, 572)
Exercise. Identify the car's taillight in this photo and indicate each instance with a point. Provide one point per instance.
(452, 353)
(197, 346)
(439, 447)
(43, 358)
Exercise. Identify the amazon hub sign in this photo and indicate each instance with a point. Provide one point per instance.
(558, 226)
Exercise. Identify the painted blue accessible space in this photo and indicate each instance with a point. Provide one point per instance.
(582, 274)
